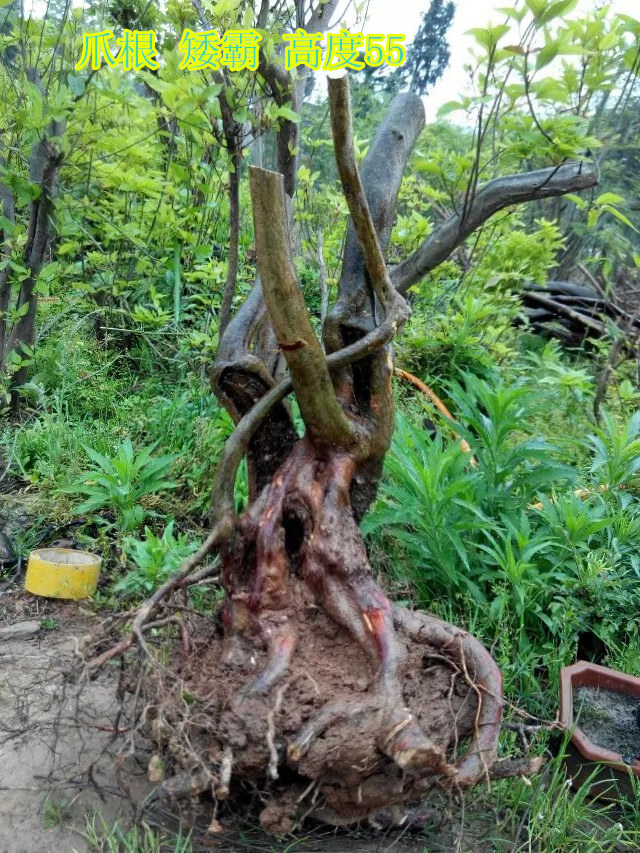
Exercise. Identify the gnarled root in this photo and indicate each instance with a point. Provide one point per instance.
(319, 679)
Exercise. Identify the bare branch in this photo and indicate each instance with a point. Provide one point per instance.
(495, 196)
(556, 307)
(342, 129)
(381, 174)
(323, 415)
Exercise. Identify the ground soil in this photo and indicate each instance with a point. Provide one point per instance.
(609, 719)
(198, 707)
(51, 734)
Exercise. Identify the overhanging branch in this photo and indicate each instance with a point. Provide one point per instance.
(496, 195)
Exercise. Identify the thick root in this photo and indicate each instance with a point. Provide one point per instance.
(328, 722)
(361, 706)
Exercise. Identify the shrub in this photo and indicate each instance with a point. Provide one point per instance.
(155, 559)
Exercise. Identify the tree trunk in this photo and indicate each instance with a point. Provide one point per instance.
(317, 676)
(44, 167)
(315, 687)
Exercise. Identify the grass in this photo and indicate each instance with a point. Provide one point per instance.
(548, 814)
(102, 837)
(53, 812)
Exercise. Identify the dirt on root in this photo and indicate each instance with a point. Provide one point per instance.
(51, 733)
(199, 712)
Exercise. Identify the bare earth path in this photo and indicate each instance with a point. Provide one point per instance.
(49, 736)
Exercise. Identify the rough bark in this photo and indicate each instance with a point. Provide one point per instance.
(7, 209)
(44, 168)
(233, 141)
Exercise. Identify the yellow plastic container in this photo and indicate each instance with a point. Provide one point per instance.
(62, 573)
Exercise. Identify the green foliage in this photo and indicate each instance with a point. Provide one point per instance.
(617, 450)
(102, 837)
(118, 483)
(434, 481)
(553, 815)
(155, 559)
(509, 533)
(131, 286)
(462, 335)
(188, 422)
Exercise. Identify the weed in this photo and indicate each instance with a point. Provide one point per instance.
(53, 812)
(118, 483)
(549, 815)
(155, 558)
(141, 838)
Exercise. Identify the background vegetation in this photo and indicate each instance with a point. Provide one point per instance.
(110, 433)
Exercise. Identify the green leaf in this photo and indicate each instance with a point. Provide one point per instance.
(619, 216)
(288, 113)
(547, 54)
(488, 37)
(554, 10)
(67, 248)
(609, 198)
(537, 7)
(76, 83)
(450, 107)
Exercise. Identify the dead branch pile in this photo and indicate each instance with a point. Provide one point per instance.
(572, 313)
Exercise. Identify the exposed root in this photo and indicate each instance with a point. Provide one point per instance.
(275, 670)
(407, 745)
(274, 760)
(379, 701)
(507, 768)
(222, 788)
(339, 712)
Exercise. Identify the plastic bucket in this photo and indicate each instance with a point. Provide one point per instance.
(62, 573)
